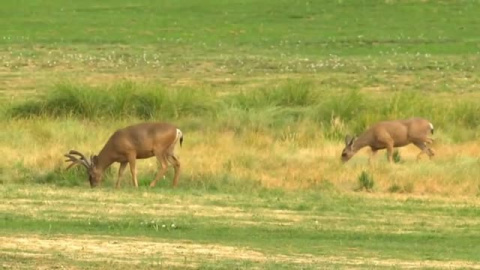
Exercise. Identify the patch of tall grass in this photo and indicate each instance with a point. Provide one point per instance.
(290, 94)
(292, 104)
(125, 99)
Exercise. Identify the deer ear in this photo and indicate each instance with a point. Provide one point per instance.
(354, 138)
(94, 159)
(348, 139)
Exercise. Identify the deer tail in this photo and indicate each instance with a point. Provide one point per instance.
(180, 136)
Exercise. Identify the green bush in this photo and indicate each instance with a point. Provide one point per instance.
(365, 181)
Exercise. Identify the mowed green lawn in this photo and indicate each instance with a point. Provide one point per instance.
(374, 47)
(304, 27)
(345, 44)
(46, 227)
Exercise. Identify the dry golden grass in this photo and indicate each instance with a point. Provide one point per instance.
(289, 163)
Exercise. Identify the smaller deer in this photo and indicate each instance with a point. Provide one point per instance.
(390, 134)
(126, 145)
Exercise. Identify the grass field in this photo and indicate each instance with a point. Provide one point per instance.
(264, 92)
(104, 228)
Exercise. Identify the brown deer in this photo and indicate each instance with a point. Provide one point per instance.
(126, 145)
(390, 134)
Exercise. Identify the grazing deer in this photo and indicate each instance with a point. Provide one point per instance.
(126, 145)
(390, 134)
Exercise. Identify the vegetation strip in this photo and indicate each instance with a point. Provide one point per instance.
(134, 251)
(295, 229)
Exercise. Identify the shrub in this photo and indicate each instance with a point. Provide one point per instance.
(365, 181)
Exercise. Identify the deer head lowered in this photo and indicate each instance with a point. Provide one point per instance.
(390, 134)
(126, 145)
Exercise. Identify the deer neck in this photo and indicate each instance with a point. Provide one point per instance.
(103, 162)
(362, 141)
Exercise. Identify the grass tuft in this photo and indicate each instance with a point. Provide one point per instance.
(365, 181)
(397, 158)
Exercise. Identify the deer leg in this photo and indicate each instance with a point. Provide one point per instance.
(176, 166)
(425, 149)
(390, 153)
(161, 171)
(133, 170)
(121, 169)
(387, 141)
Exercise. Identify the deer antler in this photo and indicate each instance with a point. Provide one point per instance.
(75, 161)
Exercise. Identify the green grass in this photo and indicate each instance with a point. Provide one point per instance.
(265, 92)
(122, 100)
(291, 104)
(289, 224)
(393, 45)
(294, 27)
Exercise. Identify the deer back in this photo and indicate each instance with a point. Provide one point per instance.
(141, 140)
